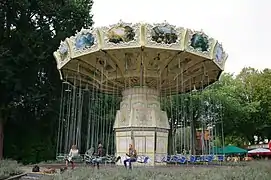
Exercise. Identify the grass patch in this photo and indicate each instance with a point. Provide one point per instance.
(253, 170)
(9, 168)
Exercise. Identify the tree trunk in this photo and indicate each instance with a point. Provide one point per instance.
(193, 137)
(170, 141)
(1, 136)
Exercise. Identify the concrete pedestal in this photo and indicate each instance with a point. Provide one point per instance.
(141, 122)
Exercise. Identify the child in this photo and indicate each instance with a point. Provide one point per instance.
(73, 153)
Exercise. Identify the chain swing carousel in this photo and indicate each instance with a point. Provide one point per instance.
(137, 83)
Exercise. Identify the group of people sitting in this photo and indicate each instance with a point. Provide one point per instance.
(74, 152)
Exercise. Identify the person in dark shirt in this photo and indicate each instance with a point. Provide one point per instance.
(132, 154)
(100, 150)
(99, 155)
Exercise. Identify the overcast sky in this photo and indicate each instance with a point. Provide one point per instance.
(243, 26)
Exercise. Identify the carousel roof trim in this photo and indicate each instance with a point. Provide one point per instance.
(140, 35)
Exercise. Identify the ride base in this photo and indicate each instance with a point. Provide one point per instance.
(141, 122)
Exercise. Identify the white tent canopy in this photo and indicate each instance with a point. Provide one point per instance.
(260, 150)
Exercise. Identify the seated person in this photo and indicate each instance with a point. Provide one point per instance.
(36, 169)
(99, 155)
(132, 156)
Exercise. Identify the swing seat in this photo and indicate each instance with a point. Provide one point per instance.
(88, 157)
(110, 159)
(143, 159)
(209, 158)
(202, 158)
(63, 157)
(174, 159)
(166, 159)
(102, 160)
(146, 160)
(182, 160)
(78, 159)
(171, 159)
(220, 158)
(193, 159)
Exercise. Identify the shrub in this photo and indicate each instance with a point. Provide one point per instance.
(9, 168)
(252, 171)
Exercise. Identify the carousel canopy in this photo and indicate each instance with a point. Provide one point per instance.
(161, 56)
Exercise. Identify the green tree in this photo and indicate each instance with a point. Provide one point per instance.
(241, 112)
(31, 31)
(257, 89)
(246, 101)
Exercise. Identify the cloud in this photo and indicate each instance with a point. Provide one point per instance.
(242, 26)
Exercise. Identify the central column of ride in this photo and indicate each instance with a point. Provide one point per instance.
(141, 122)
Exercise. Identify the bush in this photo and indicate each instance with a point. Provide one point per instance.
(9, 168)
(252, 171)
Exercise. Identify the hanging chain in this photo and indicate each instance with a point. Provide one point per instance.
(60, 122)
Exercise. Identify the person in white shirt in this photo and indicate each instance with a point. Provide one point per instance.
(73, 153)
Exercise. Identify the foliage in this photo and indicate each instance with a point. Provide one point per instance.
(9, 168)
(242, 103)
(30, 85)
(246, 104)
(234, 140)
(254, 170)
